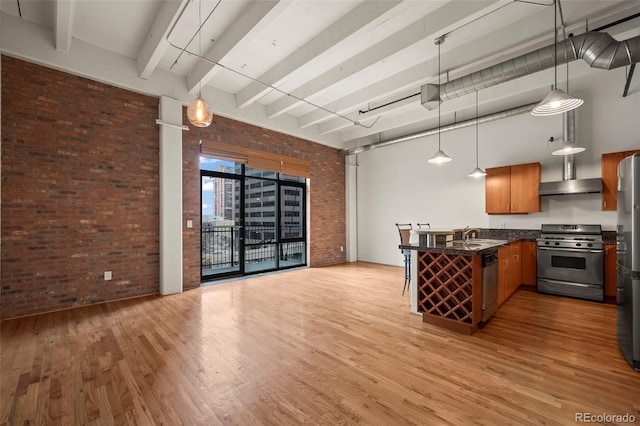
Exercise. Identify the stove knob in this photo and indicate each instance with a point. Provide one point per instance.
(557, 243)
(578, 244)
(589, 245)
(546, 243)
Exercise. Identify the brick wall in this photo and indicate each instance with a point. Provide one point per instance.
(326, 190)
(79, 191)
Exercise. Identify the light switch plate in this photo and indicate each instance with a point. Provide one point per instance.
(107, 275)
(189, 224)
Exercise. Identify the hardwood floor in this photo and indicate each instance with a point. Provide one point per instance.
(332, 345)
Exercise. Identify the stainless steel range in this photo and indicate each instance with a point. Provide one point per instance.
(571, 261)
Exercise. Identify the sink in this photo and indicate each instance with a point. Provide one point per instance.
(464, 245)
(486, 241)
(476, 243)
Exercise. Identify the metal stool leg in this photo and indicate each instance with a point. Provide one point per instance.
(407, 272)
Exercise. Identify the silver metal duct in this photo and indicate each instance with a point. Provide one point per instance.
(434, 131)
(598, 49)
(569, 130)
(569, 184)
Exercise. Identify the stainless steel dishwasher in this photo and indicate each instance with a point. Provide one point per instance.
(489, 284)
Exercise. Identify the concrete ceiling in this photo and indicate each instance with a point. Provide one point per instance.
(307, 68)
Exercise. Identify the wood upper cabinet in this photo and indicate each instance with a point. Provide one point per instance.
(525, 184)
(509, 270)
(513, 189)
(529, 263)
(497, 186)
(610, 178)
(610, 273)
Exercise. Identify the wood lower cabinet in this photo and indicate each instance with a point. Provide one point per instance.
(509, 270)
(609, 165)
(513, 189)
(529, 263)
(610, 273)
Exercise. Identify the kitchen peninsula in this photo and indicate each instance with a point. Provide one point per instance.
(446, 276)
(447, 281)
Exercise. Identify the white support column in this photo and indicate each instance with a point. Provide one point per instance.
(351, 182)
(170, 197)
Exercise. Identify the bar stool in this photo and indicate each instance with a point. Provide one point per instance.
(404, 229)
(424, 225)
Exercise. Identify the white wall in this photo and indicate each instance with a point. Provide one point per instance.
(396, 184)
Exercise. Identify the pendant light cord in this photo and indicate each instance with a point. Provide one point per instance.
(439, 101)
(200, 42)
(555, 45)
(477, 129)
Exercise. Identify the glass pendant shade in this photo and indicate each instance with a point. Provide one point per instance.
(568, 149)
(198, 113)
(556, 102)
(477, 173)
(439, 158)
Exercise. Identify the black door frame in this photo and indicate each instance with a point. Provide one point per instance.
(241, 178)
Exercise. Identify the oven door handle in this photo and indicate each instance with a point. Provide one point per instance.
(570, 249)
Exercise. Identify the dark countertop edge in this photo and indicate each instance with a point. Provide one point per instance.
(448, 250)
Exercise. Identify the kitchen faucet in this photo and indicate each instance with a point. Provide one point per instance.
(467, 231)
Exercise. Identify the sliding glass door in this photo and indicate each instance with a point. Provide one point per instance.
(261, 238)
(252, 220)
(292, 225)
(221, 228)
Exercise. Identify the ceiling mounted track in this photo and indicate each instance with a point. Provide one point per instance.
(599, 50)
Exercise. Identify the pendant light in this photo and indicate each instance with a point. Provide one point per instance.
(477, 172)
(439, 157)
(198, 112)
(557, 101)
(569, 146)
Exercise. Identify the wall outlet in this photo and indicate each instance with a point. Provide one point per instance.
(107, 275)
(341, 248)
(189, 224)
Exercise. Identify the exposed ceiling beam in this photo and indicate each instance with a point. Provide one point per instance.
(32, 42)
(390, 86)
(63, 24)
(430, 26)
(364, 17)
(156, 43)
(384, 90)
(251, 22)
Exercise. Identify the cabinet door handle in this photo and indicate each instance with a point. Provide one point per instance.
(605, 204)
(517, 258)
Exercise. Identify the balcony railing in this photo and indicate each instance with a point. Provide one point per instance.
(220, 246)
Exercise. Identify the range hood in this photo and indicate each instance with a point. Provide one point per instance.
(569, 184)
(575, 186)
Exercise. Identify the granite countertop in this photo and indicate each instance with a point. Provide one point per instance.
(470, 247)
(499, 237)
(609, 237)
(488, 240)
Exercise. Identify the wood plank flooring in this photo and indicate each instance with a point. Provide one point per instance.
(333, 345)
